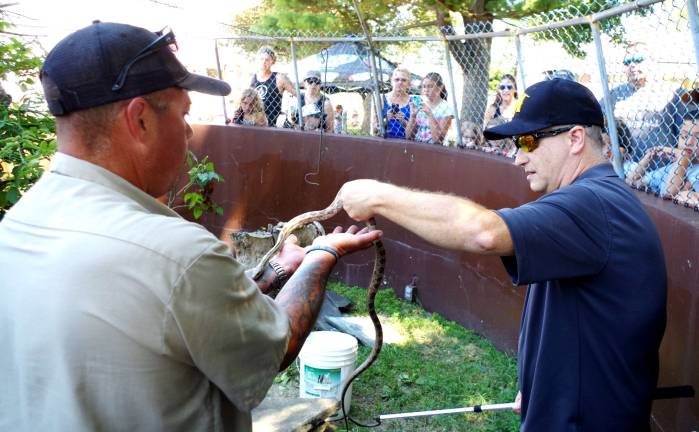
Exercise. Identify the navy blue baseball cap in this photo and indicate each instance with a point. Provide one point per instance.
(108, 62)
(545, 104)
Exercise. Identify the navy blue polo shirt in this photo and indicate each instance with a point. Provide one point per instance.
(594, 313)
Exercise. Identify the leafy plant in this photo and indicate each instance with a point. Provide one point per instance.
(202, 177)
(27, 141)
(27, 131)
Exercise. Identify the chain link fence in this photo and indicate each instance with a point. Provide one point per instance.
(444, 87)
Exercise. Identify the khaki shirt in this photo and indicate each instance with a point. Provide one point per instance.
(117, 314)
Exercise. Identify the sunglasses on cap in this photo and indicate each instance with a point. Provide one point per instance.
(630, 60)
(165, 40)
(313, 81)
(506, 86)
(530, 142)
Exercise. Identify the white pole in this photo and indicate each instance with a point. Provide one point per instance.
(475, 408)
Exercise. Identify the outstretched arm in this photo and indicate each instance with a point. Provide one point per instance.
(303, 295)
(284, 83)
(444, 220)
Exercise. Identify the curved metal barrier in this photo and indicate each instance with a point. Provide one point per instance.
(272, 175)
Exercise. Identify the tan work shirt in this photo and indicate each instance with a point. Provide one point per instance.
(118, 315)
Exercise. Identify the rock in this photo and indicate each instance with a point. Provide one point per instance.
(292, 414)
(341, 302)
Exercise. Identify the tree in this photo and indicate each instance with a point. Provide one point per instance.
(472, 55)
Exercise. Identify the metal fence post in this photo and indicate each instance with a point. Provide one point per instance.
(608, 105)
(520, 65)
(377, 91)
(296, 83)
(455, 107)
(220, 76)
(693, 13)
(372, 64)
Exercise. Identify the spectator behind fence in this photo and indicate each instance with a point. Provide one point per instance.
(251, 111)
(316, 108)
(270, 85)
(504, 146)
(504, 103)
(471, 136)
(623, 137)
(561, 74)
(434, 115)
(340, 120)
(399, 108)
(635, 79)
(136, 319)
(682, 173)
(643, 106)
(684, 99)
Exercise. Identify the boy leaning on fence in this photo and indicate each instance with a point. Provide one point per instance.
(270, 85)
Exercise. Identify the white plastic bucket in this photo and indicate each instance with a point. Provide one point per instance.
(326, 361)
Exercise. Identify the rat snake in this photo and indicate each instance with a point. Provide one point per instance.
(376, 277)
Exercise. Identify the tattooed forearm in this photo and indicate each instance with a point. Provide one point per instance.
(301, 299)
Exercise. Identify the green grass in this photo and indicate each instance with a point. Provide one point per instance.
(439, 365)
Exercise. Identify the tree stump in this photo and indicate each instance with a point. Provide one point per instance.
(250, 247)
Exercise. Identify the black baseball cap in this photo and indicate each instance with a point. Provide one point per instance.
(550, 103)
(108, 62)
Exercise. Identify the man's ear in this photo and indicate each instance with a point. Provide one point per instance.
(138, 119)
(578, 139)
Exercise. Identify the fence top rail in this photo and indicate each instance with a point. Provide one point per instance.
(509, 32)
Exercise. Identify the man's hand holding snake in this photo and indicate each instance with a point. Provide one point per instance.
(359, 198)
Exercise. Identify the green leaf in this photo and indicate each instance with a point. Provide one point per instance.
(197, 212)
(12, 196)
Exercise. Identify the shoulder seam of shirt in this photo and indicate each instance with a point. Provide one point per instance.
(609, 226)
(90, 233)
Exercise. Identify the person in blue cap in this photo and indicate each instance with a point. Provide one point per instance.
(116, 313)
(591, 327)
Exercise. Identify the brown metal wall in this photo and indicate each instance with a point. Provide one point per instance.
(272, 175)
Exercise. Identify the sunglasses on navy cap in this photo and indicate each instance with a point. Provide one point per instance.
(165, 40)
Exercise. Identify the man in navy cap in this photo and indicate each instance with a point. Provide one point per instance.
(594, 313)
(115, 313)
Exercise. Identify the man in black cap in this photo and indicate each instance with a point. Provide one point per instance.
(115, 313)
(594, 313)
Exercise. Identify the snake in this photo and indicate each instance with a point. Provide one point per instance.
(374, 285)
